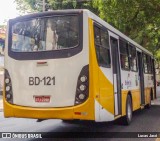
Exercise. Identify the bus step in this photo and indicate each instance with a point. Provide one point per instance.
(116, 117)
(142, 106)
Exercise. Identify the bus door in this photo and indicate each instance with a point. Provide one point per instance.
(116, 73)
(141, 76)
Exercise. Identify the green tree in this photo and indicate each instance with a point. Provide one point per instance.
(36, 5)
(138, 19)
(25, 5)
(73, 4)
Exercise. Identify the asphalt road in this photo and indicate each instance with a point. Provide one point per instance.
(143, 121)
(146, 120)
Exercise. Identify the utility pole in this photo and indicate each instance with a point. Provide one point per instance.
(44, 5)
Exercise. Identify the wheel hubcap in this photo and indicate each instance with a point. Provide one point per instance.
(129, 112)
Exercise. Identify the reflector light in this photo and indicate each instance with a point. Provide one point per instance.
(77, 113)
(41, 63)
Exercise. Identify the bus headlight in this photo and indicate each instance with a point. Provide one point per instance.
(82, 91)
(8, 88)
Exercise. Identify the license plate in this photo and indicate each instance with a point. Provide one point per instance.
(43, 99)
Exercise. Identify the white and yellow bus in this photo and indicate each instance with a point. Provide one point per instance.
(71, 64)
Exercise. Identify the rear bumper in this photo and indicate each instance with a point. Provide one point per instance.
(84, 111)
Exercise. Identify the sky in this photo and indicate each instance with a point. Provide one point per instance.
(7, 10)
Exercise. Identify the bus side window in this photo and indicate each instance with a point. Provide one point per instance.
(149, 64)
(97, 41)
(124, 55)
(145, 63)
(102, 46)
(132, 55)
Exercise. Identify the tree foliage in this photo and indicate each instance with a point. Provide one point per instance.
(24, 5)
(138, 19)
(36, 5)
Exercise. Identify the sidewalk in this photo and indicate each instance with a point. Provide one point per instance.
(156, 101)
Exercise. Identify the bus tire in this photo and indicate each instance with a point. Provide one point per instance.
(70, 120)
(128, 117)
(66, 121)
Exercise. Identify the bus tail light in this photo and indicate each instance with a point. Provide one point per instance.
(8, 88)
(82, 91)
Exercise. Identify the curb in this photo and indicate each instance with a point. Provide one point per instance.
(156, 101)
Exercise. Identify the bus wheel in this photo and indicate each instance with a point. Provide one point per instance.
(128, 117)
(70, 120)
(66, 121)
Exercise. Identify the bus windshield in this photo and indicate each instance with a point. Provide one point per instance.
(45, 34)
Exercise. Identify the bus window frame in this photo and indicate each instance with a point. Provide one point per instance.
(123, 40)
(130, 57)
(101, 27)
(50, 54)
(147, 63)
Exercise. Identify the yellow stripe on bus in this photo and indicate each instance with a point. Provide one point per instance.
(104, 95)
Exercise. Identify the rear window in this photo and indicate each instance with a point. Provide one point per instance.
(45, 34)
